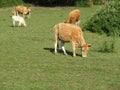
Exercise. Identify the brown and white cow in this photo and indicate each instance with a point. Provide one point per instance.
(70, 33)
(74, 17)
(22, 10)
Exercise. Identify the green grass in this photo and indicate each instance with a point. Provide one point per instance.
(27, 61)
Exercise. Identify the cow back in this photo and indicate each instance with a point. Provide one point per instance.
(69, 32)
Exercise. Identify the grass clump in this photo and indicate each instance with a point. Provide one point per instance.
(108, 46)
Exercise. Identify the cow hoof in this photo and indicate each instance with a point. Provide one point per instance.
(55, 52)
(74, 55)
(84, 56)
(65, 54)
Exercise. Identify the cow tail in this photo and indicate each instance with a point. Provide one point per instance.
(56, 32)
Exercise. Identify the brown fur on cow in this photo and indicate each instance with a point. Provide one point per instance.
(74, 17)
(14, 12)
(22, 10)
(70, 33)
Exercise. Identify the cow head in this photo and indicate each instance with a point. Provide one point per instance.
(85, 48)
(29, 9)
(14, 12)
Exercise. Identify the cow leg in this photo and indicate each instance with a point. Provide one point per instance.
(23, 15)
(29, 15)
(14, 23)
(73, 45)
(20, 23)
(63, 48)
(55, 44)
(24, 24)
(77, 22)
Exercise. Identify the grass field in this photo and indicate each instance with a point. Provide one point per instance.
(27, 61)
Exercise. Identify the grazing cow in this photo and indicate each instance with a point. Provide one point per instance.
(70, 33)
(14, 12)
(17, 18)
(74, 17)
(23, 10)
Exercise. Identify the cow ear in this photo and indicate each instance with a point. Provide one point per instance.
(89, 45)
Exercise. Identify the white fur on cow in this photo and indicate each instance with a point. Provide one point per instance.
(17, 18)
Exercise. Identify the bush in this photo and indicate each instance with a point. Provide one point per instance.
(97, 2)
(7, 3)
(106, 20)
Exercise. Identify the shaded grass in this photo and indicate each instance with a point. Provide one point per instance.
(27, 61)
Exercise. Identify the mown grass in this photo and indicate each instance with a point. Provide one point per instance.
(27, 61)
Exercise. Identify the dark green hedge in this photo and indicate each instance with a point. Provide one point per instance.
(7, 3)
(106, 20)
(51, 2)
(81, 3)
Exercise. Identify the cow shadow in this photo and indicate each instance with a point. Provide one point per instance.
(16, 26)
(61, 52)
(49, 49)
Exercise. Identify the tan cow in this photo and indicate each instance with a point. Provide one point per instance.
(70, 33)
(22, 10)
(74, 17)
(14, 12)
